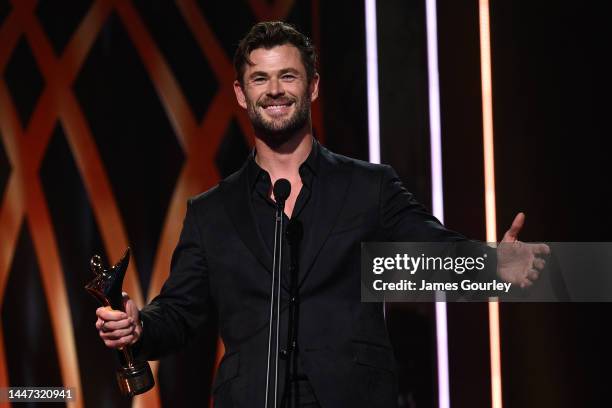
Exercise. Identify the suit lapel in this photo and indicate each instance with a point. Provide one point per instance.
(331, 187)
(238, 204)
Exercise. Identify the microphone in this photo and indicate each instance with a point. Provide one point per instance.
(282, 189)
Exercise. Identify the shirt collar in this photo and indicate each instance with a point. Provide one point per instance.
(309, 166)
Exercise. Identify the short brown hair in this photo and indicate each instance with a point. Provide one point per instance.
(269, 34)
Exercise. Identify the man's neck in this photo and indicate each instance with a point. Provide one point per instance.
(284, 161)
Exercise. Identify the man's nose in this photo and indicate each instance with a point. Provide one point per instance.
(275, 88)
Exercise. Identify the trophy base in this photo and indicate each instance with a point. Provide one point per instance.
(135, 379)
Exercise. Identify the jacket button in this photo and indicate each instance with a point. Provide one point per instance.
(283, 353)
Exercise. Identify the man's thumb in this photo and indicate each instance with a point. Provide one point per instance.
(516, 227)
(128, 305)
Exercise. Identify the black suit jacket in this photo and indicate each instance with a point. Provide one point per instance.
(221, 266)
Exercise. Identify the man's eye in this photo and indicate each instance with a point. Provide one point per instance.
(288, 77)
(259, 80)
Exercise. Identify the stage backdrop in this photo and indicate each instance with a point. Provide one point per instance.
(114, 112)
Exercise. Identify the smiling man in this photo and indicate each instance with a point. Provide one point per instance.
(223, 261)
(277, 91)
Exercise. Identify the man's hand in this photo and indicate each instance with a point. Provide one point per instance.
(119, 329)
(518, 262)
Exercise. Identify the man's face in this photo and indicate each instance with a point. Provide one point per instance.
(276, 93)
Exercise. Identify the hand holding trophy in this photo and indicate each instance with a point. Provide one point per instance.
(134, 377)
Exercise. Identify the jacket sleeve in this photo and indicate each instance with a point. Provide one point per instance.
(183, 304)
(403, 218)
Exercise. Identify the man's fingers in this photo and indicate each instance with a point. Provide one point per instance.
(539, 263)
(99, 323)
(541, 249)
(120, 343)
(533, 275)
(108, 314)
(109, 326)
(117, 328)
(515, 228)
(117, 334)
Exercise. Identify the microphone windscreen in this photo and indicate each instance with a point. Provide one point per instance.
(282, 189)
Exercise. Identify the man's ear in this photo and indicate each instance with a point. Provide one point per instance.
(313, 88)
(240, 98)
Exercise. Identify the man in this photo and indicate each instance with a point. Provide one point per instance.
(223, 259)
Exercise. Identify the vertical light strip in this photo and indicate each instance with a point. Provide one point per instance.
(436, 155)
(442, 351)
(495, 345)
(489, 170)
(437, 197)
(434, 110)
(487, 120)
(372, 73)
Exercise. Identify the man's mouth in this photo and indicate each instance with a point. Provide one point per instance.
(277, 108)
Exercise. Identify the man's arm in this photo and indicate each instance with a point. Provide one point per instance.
(403, 218)
(176, 313)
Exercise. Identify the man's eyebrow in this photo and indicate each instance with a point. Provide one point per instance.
(258, 73)
(280, 72)
(288, 71)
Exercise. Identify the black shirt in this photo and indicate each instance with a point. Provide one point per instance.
(265, 208)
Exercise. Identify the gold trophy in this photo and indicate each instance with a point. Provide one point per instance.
(134, 377)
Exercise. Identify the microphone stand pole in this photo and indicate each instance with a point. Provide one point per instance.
(294, 236)
(273, 335)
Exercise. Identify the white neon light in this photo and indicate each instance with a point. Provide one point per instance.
(442, 349)
(436, 156)
(434, 110)
(437, 196)
(372, 78)
(372, 74)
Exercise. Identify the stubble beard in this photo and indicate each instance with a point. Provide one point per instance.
(275, 132)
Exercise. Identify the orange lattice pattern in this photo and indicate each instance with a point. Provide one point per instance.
(24, 200)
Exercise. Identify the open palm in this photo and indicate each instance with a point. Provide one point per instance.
(519, 262)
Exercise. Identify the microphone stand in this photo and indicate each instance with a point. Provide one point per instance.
(294, 234)
(281, 192)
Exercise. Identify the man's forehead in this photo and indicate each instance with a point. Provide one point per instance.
(275, 58)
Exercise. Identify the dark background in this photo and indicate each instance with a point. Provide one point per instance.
(550, 162)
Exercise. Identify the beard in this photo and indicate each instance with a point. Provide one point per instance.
(277, 131)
